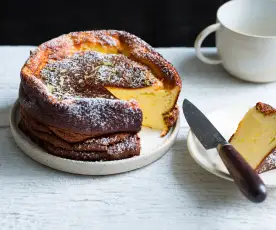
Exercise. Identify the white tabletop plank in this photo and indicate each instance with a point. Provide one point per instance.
(172, 193)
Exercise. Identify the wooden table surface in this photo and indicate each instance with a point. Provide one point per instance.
(172, 193)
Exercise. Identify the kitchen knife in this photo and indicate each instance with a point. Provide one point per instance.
(245, 177)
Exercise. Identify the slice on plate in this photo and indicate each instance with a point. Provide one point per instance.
(255, 137)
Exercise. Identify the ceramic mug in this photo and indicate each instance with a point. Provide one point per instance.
(245, 39)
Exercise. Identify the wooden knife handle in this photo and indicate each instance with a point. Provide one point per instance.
(248, 181)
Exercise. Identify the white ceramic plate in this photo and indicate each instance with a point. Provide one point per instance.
(152, 148)
(226, 121)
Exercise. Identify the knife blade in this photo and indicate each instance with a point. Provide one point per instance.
(244, 176)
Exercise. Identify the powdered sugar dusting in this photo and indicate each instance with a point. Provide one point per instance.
(85, 73)
(125, 149)
(117, 146)
(92, 116)
(105, 114)
(269, 163)
(107, 140)
(126, 146)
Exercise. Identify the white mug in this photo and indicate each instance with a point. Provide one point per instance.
(245, 39)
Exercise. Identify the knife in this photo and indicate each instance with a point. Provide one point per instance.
(244, 176)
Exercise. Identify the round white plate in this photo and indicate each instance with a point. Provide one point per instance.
(226, 120)
(152, 148)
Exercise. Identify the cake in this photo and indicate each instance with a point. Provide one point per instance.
(255, 137)
(86, 95)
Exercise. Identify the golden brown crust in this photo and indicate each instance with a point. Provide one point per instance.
(91, 144)
(110, 147)
(265, 108)
(94, 156)
(33, 124)
(109, 41)
(85, 117)
(268, 163)
(170, 118)
(64, 135)
(231, 138)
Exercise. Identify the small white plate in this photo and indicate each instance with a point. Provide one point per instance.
(153, 147)
(226, 120)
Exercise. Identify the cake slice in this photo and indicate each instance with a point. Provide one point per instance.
(255, 137)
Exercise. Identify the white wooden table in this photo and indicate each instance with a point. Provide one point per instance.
(172, 193)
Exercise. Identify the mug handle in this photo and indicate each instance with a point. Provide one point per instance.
(198, 42)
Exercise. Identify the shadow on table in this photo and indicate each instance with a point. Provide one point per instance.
(204, 187)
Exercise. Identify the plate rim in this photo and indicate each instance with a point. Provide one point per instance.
(147, 158)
